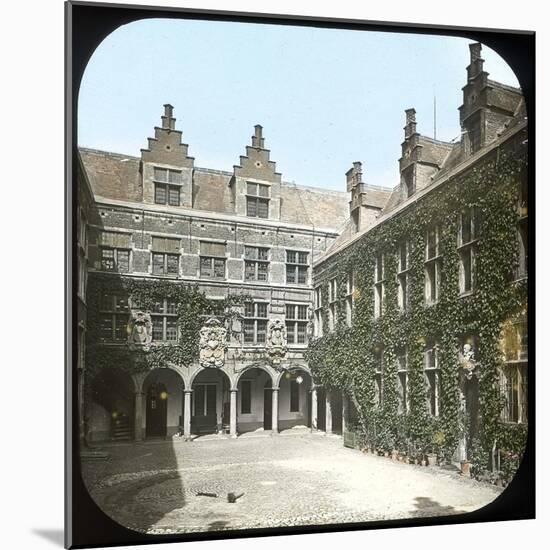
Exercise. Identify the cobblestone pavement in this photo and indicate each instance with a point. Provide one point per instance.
(304, 479)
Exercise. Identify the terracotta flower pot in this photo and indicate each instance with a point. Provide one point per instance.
(465, 468)
(432, 459)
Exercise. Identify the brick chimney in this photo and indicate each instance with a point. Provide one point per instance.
(364, 204)
(486, 105)
(476, 62)
(257, 138)
(168, 121)
(421, 157)
(411, 153)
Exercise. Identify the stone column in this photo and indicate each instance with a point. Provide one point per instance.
(328, 414)
(138, 416)
(233, 413)
(313, 409)
(275, 410)
(344, 412)
(187, 413)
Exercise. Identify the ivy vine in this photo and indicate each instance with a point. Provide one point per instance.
(193, 306)
(344, 358)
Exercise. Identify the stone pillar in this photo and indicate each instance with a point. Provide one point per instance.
(313, 409)
(233, 413)
(328, 414)
(187, 413)
(344, 412)
(138, 416)
(275, 410)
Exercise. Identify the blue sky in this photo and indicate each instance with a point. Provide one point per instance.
(325, 97)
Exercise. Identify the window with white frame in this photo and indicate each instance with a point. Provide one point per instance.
(114, 250)
(113, 317)
(403, 380)
(297, 266)
(255, 322)
(332, 304)
(403, 275)
(379, 376)
(257, 200)
(166, 255)
(318, 312)
(350, 287)
(256, 263)
(296, 323)
(379, 290)
(432, 265)
(115, 259)
(167, 186)
(467, 245)
(432, 376)
(212, 260)
(513, 375)
(164, 316)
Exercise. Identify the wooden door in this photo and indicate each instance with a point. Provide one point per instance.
(156, 411)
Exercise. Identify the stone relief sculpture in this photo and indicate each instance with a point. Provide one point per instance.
(212, 344)
(468, 364)
(140, 330)
(276, 339)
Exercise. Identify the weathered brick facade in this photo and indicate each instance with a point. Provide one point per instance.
(212, 209)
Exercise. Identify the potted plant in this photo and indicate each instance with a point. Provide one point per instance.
(438, 441)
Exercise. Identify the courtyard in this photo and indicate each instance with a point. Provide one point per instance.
(294, 478)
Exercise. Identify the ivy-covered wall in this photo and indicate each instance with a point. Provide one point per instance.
(193, 307)
(344, 358)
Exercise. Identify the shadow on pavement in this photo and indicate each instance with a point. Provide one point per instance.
(137, 486)
(427, 507)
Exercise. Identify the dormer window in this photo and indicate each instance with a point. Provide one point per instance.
(167, 186)
(257, 200)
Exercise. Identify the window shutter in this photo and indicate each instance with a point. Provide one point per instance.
(162, 244)
(115, 240)
(212, 249)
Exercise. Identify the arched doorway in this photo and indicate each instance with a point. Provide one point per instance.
(210, 402)
(110, 415)
(254, 400)
(163, 389)
(295, 399)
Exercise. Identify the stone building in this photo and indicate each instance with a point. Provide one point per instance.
(245, 232)
(299, 254)
(416, 252)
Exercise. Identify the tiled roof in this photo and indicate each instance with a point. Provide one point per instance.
(116, 176)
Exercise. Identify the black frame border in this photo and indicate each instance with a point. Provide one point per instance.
(86, 25)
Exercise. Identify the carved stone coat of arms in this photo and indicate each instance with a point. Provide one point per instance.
(140, 330)
(212, 344)
(276, 344)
